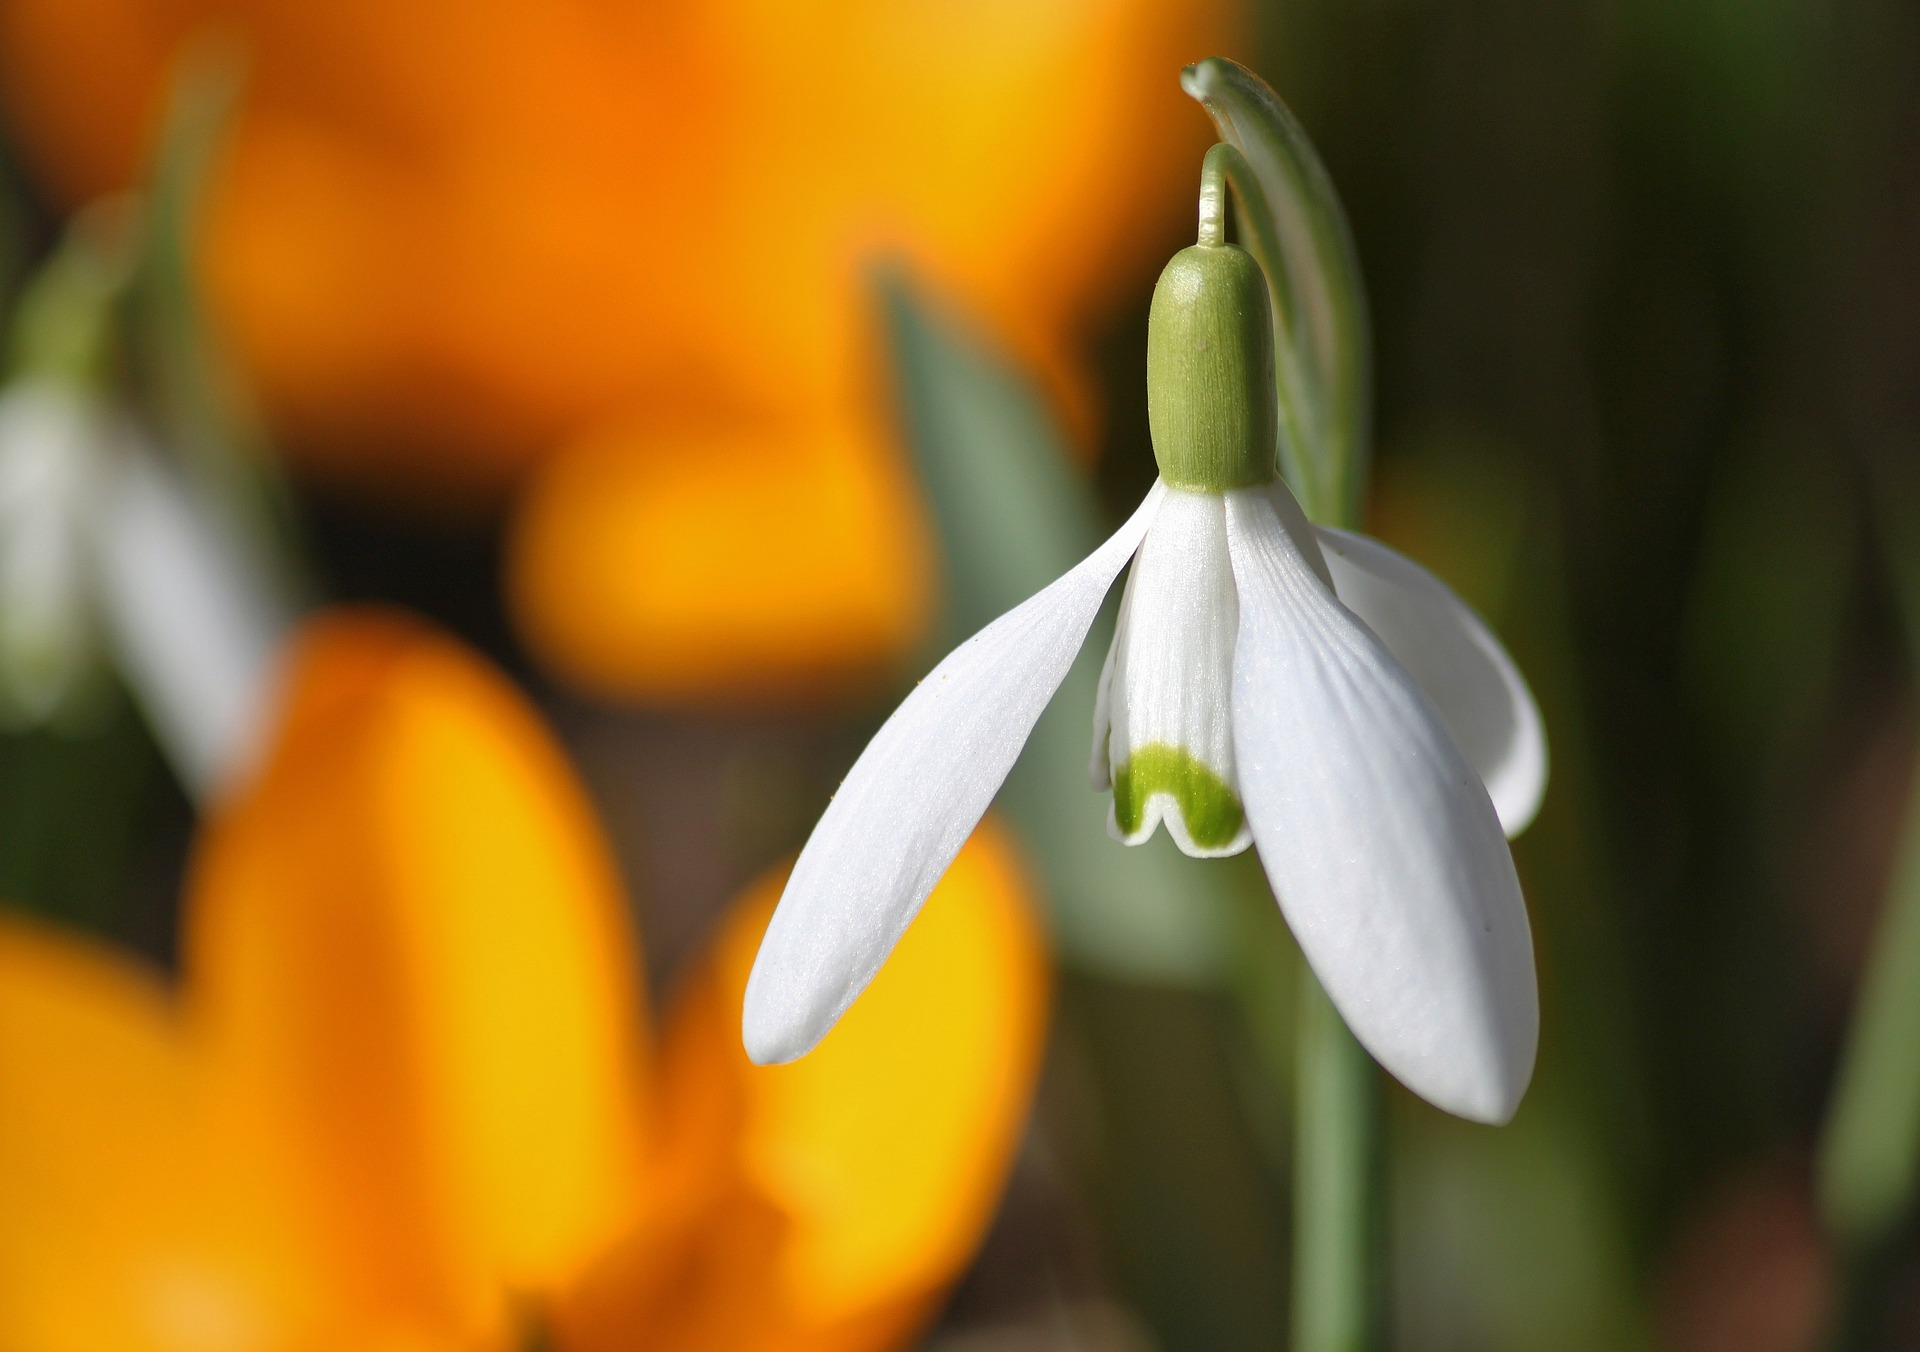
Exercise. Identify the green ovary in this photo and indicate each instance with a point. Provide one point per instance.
(1212, 811)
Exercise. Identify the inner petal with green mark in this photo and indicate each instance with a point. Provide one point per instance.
(1163, 727)
(1207, 804)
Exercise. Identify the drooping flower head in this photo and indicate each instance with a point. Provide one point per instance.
(1298, 688)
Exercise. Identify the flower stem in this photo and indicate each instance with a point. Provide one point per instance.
(1223, 164)
(1336, 1197)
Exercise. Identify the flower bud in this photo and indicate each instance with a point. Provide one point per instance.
(1210, 392)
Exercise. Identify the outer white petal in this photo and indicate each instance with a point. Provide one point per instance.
(910, 802)
(1457, 661)
(1171, 672)
(198, 635)
(1379, 839)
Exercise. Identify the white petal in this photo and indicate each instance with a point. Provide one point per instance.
(1294, 521)
(1099, 768)
(1457, 660)
(910, 802)
(197, 632)
(1380, 841)
(50, 448)
(1169, 742)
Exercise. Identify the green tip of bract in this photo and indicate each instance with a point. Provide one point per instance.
(1210, 392)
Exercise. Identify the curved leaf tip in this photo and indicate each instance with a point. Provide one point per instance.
(1292, 222)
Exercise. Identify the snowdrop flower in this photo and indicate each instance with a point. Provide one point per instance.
(55, 426)
(1304, 690)
(197, 628)
(105, 551)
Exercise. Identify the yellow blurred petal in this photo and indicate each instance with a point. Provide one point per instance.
(888, 1145)
(448, 236)
(705, 564)
(130, 1220)
(408, 949)
(827, 1204)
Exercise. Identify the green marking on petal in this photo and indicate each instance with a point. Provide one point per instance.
(1212, 810)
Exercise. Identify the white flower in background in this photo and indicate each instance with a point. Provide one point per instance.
(111, 552)
(49, 469)
(196, 625)
(107, 553)
(1301, 689)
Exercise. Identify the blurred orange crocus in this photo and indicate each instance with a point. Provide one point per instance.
(625, 245)
(407, 1096)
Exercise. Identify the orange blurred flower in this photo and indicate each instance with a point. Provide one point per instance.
(453, 243)
(407, 1098)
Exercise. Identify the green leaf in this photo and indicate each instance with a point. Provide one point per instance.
(1869, 1160)
(1291, 221)
(1869, 1163)
(1767, 606)
(1512, 1240)
(71, 806)
(1870, 1154)
(1012, 515)
(188, 384)
(62, 327)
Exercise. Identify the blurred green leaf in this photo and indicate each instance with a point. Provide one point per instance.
(62, 327)
(1192, 1213)
(1511, 1241)
(1870, 1154)
(1869, 1158)
(1553, 1194)
(189, 385)
(1767, 604)
(70, 809)
(1291, 221)
(1012, 516)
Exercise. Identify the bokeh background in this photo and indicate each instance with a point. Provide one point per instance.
(705, 368)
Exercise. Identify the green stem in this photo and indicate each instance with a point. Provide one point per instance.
(1336, 1195)
(1223, 165)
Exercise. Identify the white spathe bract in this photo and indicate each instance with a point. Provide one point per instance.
(1243, 700)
